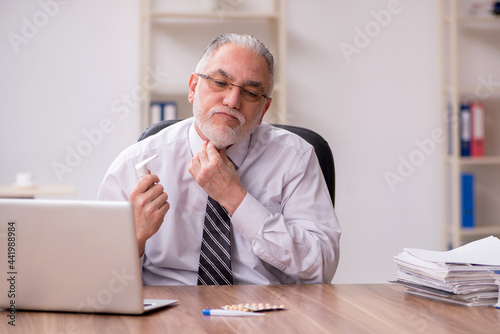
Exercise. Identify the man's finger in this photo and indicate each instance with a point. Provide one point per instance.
(160, 200)
(212, 151)
(202, 154)
(147, 181)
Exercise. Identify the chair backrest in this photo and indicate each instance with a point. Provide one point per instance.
(320, 145)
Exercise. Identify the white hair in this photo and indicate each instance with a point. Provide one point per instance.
(246, 41)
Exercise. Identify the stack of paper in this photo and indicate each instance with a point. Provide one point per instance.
(496, 276)
(462, 275)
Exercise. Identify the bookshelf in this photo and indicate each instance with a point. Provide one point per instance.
(470, 49)
(174, 34)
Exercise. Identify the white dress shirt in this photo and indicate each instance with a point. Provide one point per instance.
(284, 231)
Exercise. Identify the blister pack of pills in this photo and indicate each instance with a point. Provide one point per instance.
(254, 307)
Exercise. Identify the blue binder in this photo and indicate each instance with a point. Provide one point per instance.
(467, 200)
(465, 130)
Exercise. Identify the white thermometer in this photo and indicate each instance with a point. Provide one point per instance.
(141, 167)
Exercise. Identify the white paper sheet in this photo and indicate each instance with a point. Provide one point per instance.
(484, 251)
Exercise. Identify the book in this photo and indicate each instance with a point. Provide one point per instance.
(169, 110)
(467, 200)
(465, 129)
(163, 111)
(156, 112)
(477, 112)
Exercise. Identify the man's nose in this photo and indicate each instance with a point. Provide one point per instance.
(232, 98)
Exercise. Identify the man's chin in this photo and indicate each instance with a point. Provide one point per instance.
(220, 146)
(221, 141)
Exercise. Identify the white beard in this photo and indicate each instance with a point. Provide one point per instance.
(221, 136)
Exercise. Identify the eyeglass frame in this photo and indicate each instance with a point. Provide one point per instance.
(207, 77)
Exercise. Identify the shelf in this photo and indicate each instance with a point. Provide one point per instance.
(464, 161)
(491, 160)
(231, 15)
(493, 89)
(478, 19)
(480, 231)
(466, 77)
(159, 24)
(473, 19)
(172, 89)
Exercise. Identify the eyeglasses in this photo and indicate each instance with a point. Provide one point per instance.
(220, 84)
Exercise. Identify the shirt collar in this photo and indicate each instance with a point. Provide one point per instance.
(236, 153)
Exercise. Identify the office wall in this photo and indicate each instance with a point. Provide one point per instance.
(372, 89)
(68, 89)
(364, 74)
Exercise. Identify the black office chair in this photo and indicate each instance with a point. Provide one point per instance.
(321, 147)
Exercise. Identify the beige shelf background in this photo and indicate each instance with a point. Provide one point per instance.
(467, 43)
(174, 34)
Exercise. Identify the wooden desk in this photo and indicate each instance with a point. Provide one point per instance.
(353, 309)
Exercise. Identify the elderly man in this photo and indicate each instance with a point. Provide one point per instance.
(229, 200)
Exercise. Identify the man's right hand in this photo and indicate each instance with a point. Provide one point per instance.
(150, 207)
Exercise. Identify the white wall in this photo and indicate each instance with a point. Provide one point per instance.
(371, 110)
(373, 107)
(60, 79)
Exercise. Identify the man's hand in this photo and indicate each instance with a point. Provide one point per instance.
(216, 174)
(150, 207)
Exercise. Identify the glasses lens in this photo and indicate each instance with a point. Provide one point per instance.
(219, 84)
(250, 95)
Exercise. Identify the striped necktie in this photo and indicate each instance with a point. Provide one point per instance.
(215, 255)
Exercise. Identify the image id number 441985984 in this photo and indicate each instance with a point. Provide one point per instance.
(11, 271)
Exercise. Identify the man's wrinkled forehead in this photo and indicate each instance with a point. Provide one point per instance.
(225, 71)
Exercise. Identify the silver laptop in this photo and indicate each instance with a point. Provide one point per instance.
(72, 256)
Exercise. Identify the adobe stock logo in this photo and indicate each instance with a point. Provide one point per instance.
(226, 6)
(372, 29)
(30, 28)
(416, 158)
(486, 87)
(115, 285)
(93, 138)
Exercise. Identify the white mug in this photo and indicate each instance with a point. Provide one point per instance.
(25, 180)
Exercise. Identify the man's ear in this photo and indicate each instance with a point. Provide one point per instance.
(193, 81)
(266, 107)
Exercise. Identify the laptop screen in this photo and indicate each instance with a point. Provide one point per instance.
(69, 256)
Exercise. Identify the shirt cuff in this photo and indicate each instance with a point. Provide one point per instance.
(249, 217)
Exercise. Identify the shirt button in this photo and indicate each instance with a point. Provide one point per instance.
(240, 230)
